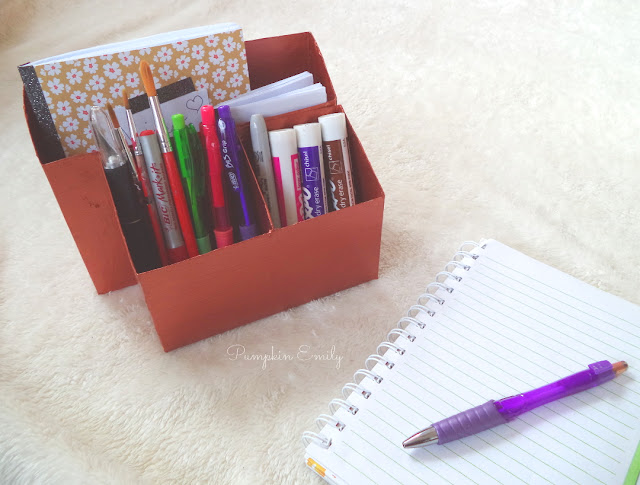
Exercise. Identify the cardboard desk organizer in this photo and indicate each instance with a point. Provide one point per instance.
(237, 284)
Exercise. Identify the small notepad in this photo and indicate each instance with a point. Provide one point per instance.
(496, 323)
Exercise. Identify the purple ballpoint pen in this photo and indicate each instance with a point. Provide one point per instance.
(233, 170)
(494, 413)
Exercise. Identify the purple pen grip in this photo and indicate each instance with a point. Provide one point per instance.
(468, 422)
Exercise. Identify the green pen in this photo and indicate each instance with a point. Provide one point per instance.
(193, 182)
(201, 170)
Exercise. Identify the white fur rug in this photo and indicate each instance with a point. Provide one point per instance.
(505, 119)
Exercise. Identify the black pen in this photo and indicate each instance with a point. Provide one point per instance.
(126, 194)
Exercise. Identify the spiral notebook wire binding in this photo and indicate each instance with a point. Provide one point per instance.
(397, 333)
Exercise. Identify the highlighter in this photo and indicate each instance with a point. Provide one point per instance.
(193, 181)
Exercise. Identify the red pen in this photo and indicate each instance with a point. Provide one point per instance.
(169, 161)
(223, 230)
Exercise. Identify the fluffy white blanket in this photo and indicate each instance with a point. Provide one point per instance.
(502, 119)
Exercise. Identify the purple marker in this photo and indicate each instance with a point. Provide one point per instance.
(241, 201)
(493, 413)
(314, 195)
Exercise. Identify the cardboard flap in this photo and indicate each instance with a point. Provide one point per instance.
(276, 58)
(81, 189)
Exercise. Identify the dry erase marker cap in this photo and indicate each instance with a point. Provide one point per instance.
(282, 141)
(334, 126)
(308, 135)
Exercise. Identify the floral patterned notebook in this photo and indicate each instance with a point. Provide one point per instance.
(61, 89)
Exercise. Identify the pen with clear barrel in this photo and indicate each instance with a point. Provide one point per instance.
(494, 413)
(126, 194)
(193, 180)
(247, 227)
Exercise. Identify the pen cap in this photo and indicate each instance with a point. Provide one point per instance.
(334, 126)
(180, 142)
(178, 121)
(259, 136)
(224, 111)
(208, 115)
(109, 143)
(308, 135)
(224, 114)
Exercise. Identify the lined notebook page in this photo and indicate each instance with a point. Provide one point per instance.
(512, 324)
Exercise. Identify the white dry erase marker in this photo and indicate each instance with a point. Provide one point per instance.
(314, 194)
(263, 166)
(336, 158)
(286, 170)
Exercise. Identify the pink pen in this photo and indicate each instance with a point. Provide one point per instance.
(223, 231)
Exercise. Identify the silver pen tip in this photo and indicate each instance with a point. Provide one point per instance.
(425, 437)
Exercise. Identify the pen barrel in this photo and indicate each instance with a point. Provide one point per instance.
(234, 174)
(133, 218)
(220, 211)
(597, 373)
(263, 167)
(161, 192)
(126, 196)
(181, 204)
(147, 191)
(191, 170)
(221, 218)
(468, 422)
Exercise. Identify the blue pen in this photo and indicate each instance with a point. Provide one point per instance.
(241, 200)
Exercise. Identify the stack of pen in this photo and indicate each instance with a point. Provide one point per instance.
(304, 171)
(179, 196)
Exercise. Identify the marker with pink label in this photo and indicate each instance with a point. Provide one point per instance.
(286, 169)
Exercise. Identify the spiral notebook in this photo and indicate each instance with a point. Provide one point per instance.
(494, 323)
